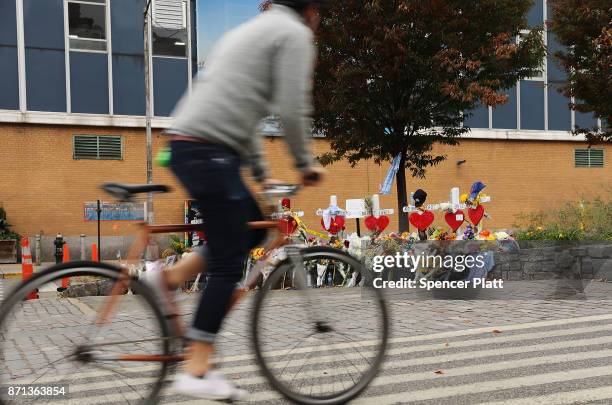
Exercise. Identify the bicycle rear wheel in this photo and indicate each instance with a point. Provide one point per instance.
(320, 346)
(53, 340)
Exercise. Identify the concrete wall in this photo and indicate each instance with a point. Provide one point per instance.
(112, 246)
(588, 261)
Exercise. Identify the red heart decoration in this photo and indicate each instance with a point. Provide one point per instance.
(336, 225)
(287, 226)
(452, 221)
(377, 224)
(371, 223)
(421, 221)
(476, 214)
(383, 223)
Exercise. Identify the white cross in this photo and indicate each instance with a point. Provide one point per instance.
(453, 204)
(333, 202)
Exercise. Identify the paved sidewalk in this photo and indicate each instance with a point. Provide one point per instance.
(516, 351)
(14, 269)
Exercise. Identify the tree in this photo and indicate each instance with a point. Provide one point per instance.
(395, 77)
(584, 27)
(265, 5)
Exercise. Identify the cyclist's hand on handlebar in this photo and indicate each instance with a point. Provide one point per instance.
(313, 176)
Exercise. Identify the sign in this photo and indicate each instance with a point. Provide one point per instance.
(115, 211)
(355, 208)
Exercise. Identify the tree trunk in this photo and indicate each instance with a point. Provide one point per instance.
(402, 196)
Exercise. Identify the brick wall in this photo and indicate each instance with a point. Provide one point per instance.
(43, 188)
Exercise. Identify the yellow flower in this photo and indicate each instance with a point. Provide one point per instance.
(539, 228)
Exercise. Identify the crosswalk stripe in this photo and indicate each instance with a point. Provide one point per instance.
(384, 380)
(440, 335)
(439, 346)
(405, 350)
(488, 386)
(448, 373)
(561, 398)
(451, 372)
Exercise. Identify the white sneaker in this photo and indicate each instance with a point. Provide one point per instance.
(152, 277)
(213, 386)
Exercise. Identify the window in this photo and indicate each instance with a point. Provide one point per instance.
(540, 74)
(98, 147)
(170, 28)
(87, 25)
(589, 157)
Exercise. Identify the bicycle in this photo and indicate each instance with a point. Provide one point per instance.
(345, 355)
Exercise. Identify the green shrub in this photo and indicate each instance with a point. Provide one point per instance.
(5, 228)
(175, 247)
(580, 220)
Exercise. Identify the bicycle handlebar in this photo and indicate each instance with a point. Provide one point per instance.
(281, 190)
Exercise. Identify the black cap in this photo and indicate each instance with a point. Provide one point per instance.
(419, 197)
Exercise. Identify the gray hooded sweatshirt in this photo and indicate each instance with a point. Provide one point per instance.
(263, 67)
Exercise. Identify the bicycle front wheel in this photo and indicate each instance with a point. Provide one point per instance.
(320, 345)
(50, 338)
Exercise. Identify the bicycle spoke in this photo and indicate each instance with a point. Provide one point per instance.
(335, 360)
(55, 341)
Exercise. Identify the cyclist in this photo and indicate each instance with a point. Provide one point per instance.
(264, 66)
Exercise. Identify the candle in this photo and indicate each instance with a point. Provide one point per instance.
(376, 205)
(455, 197)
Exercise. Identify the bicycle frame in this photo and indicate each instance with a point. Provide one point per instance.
(136, 250)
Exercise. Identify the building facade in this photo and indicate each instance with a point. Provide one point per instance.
(72, 111)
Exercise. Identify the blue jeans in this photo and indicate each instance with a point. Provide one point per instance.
(211, 175)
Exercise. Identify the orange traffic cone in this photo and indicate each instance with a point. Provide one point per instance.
(94, 252)
(27, 270)
(66, 259)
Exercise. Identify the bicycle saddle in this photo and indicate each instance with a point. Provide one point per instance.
(125, 192)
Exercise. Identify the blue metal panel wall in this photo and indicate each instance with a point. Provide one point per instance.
(8, 24)
(127, 24)
(478, 119)
(44, 24)
(45, 80)
(9, 70)
(536, 14)
(128, 85)
(89, 79)
(170, 82)
(556, 73)
(45, 59)
(559, 114)
(532, 104)
(128, 56)
(504, 116)
(585, 120)
(9, 78)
